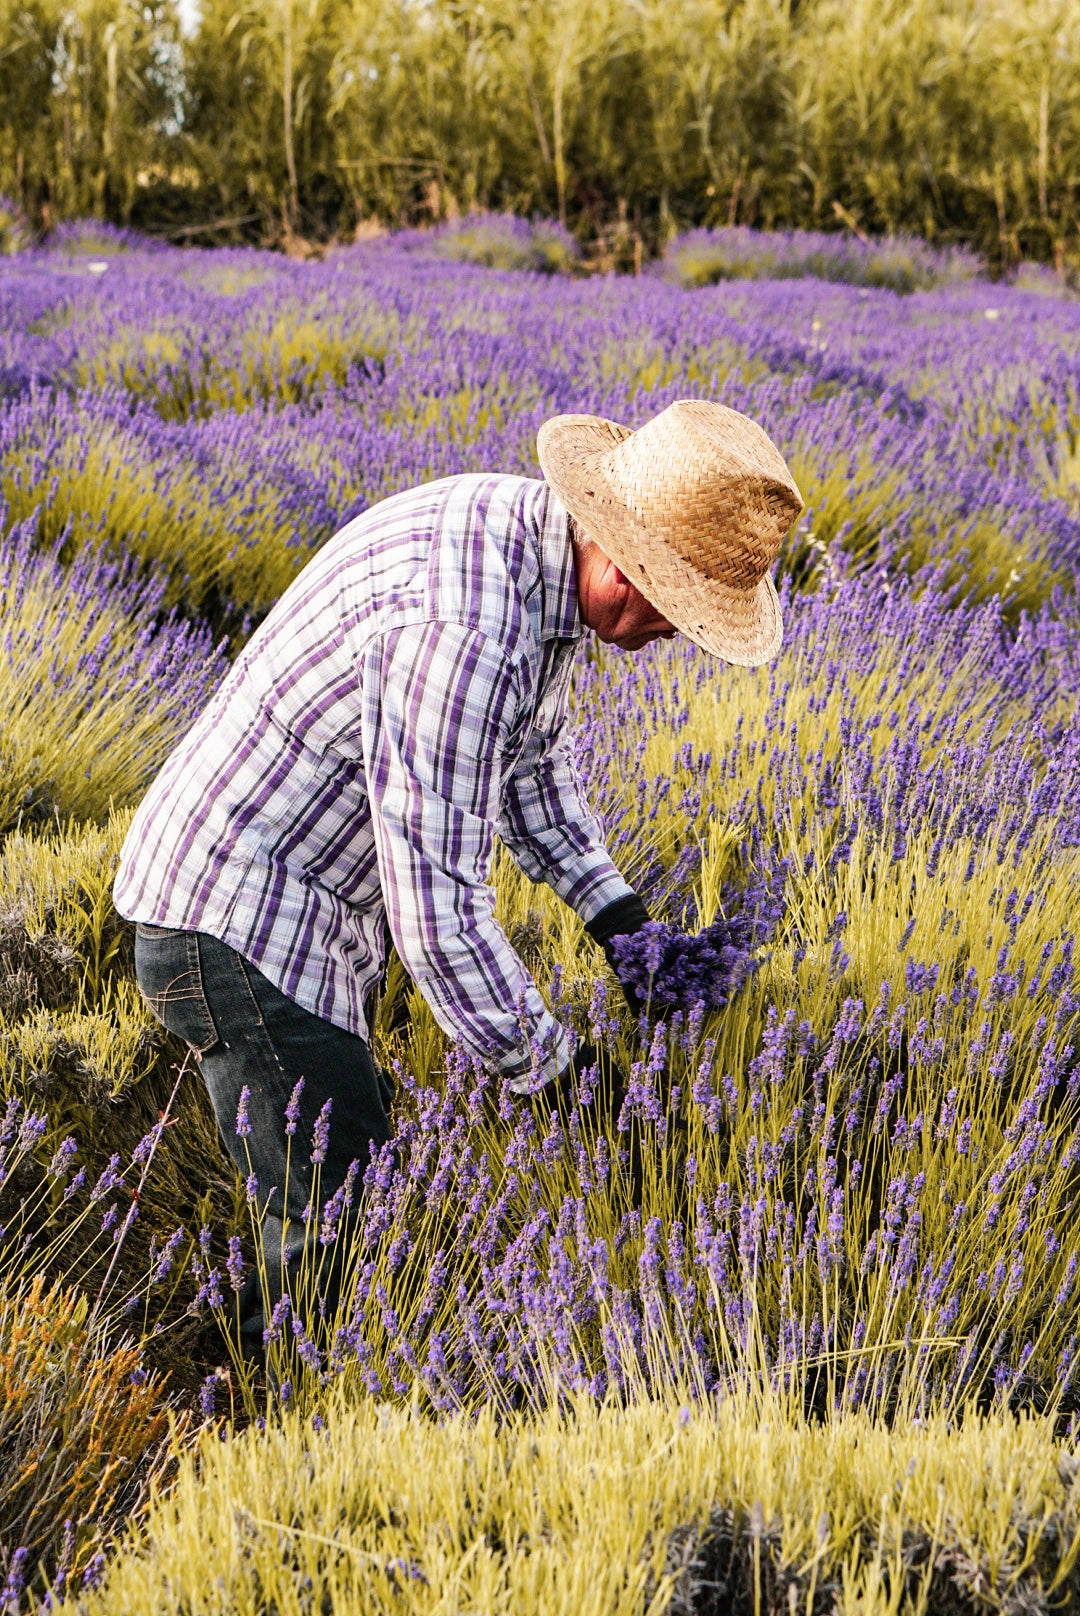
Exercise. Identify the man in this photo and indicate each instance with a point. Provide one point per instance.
(403, 703)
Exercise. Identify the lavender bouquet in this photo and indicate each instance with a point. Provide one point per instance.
(666, 967)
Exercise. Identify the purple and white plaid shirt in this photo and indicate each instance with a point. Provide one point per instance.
(404, 701)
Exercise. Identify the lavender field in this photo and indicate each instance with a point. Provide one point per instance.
(829, 1364)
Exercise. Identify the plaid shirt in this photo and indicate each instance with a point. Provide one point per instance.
(403, 702)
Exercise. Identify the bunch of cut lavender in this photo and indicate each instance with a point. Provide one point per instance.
(669, 967)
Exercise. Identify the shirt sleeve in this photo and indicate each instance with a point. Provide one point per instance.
(439, 702)
(546, 823)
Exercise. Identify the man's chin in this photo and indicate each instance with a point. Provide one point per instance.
(638, 642)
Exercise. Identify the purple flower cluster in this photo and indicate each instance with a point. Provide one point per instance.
(667, 967)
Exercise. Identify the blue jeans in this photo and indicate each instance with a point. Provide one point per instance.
(244, 1031)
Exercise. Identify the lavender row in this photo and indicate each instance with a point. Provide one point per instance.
(816, 1219)
(98, 680)
(899, 458)
(903, 264)
(148, 317)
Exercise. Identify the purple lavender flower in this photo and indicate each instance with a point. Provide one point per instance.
(292, 1110)
(65, 1557)
(331, 1214)
(94, 1571)
(108, 1180)
(320, 1136)
(31, 1130)
(243, 1124)
(234, 1263)
(163, 1266)
(75, 1185)
(306, 1349)
(147, 1144)
(1068, 1279)
(281, 1310)
(62, 1159)
(14, 1582)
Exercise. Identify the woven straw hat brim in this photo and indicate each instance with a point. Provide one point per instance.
(742, 626)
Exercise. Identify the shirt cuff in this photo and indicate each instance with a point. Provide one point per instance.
(595, 890)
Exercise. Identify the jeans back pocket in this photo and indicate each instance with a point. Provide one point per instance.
(170, 977)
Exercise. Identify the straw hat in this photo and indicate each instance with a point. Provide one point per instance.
(692, 507)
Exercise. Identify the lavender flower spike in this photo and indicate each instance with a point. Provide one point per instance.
(320, 1135)
(292, 1110)
(243, 1124)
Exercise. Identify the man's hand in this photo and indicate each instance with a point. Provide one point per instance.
(622, 918)
(592, 1072)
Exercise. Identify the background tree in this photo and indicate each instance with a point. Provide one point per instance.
(951, 118)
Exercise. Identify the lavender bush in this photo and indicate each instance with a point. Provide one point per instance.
(86, 655)
(898, 263)
(498, 241)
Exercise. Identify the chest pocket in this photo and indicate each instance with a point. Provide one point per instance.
(551, 707)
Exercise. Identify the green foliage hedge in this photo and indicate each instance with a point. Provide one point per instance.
(943, 117)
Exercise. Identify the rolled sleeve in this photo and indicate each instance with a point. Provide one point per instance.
(439, 703)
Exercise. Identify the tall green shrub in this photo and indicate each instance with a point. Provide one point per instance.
(274, 117)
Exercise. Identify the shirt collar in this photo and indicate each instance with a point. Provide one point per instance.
(560, 618)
